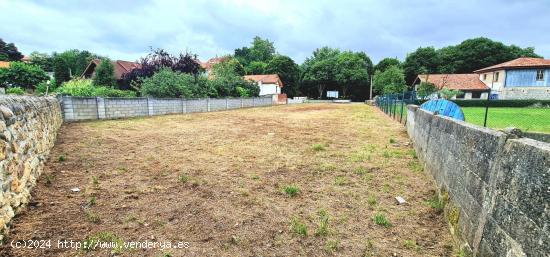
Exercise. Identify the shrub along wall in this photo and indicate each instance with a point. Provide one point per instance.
(28, 128)
(495, 186)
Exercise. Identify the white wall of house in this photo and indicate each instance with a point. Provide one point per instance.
(496, 85)
(269, 89)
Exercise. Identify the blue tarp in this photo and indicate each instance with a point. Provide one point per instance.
(444, 107)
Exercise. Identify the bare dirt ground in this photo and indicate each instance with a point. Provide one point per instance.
(223, 183)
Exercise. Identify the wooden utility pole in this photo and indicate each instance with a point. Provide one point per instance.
(370, 90)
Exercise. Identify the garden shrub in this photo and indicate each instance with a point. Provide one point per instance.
(167, 83)
(22, 75)
(15, 91)
(105, 74)
(85, 87)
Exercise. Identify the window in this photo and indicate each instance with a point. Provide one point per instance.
(495, 78)
(540, 74)
(476, 94)
(485, 76)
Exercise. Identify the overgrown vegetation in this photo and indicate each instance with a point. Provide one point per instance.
(298, 227)
(23, 75)
(380, 219)
(85, 87)
(291, 190)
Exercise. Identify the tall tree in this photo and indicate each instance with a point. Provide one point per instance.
(23, 75)
(351, 70)
(105, 74)
(392, 80)
(319, 70)
(385, 63)
(9, 52)
(288, 71)
(258, 54)
(423, 59)
(43, 60)
(61, 71)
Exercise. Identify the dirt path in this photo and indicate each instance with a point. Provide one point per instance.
(217, 181)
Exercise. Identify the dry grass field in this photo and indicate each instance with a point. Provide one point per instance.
(301, 180)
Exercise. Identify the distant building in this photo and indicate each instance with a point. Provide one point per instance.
(120, 67)
(470, 84)
(522, 78)
(4, 64)
(270, 84)
(208, 65)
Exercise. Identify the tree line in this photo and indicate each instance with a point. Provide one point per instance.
(349, 72)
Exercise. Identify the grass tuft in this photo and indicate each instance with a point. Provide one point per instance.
(61, 158)
(291, 190)
(322, 229)
(298, 227)
(318, 147)
(380, 219)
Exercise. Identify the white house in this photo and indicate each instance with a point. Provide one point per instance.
(270, 84)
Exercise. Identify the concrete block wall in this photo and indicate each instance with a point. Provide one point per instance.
(28, 129)
(496, 185)
(91, 108)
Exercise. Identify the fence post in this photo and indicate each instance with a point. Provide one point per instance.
(402, 102)
(487, 109)
(101, 109)
(150, 110)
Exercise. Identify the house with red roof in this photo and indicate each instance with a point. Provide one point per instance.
(120, 67)
(470, 84)
(521, 78)
(270, 84)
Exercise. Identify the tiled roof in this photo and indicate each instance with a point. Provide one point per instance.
(523, 62)
(464, 82)
(4, 64)
(121, 67)
(208, 64)
(265, 79)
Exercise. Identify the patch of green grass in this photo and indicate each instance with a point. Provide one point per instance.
(412, 153)
(92, 201)
(526, 119)
(386, 188)
(61, 158)
(392, 141)
(255, 177)
(380, 219)
(327, 167)
(340, 180)
(415, 166)
(332, 245)
(95, 181)
(436, 203)
(298, 227)
(322, 229)
(411, 244)
(371, 200)
(49, 179)
(92, 217)
(183, 178)
(104, 237)
(318, 147)
(291, 190)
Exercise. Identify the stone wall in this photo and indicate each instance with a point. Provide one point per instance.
(525, 93)
(28, 130)
(93, 108)
(495, 186)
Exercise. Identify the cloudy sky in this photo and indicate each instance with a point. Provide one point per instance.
(125, 29)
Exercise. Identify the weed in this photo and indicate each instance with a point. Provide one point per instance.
(411, 244)
(415, 166)
(332, 245)
(386, 188)
(328, 167)
(95, 181)
(49, 179)
(116, 244)
(371, 200)
(322, 229)
(361, 171)
(298, 227)
(369, 249)
(91, 201)
(255, 177)
(92, 217)
(166, 255)
(291, 190)
(392, 141)
(318, 147)
(436, 203)
(61, 158)
(183, 178)
(380, 219)
(412, 153)
(340, 180)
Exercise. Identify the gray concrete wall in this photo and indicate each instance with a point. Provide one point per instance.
(28, 129)
(495, 186)
(525, 93)
(92, 108)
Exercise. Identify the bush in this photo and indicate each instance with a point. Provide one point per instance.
(105, 74)
(42, 87)
(15, 91)
(167, 83)
(85, 87)
(22, 75)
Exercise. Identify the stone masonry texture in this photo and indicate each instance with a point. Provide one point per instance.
(28, 128)
(496, 184)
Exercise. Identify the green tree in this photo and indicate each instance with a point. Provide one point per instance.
(230, 66)
(385, 63)
(424, 59)
(228, 80)
(261, 50)
(288, 71)
(167, 83)
(446, 93)
(256, 67)
(105, 74)
(351, 70)
(9, 52)
(319, 70)
(22, 75)
(43, 60)
(76, 60)
(426, 89)
(61, 71)
(391, 81)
